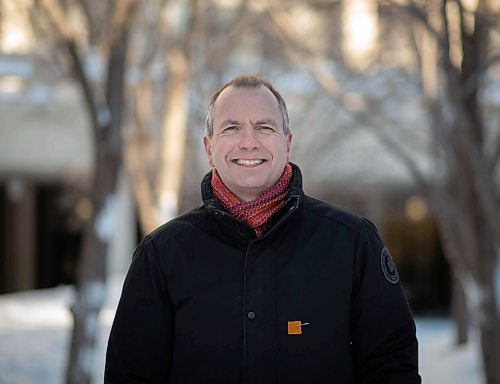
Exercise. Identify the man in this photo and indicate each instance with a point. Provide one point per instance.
(261, 284)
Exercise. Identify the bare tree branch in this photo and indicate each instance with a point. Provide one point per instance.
(57, 19)
(312, 63)
(83, 81)
(419, 14)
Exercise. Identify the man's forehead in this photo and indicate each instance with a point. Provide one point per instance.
(232, 93)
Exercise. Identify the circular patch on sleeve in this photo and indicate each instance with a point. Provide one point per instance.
(388, 267)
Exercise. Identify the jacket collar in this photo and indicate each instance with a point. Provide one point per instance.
(294, 199)
(211, 202)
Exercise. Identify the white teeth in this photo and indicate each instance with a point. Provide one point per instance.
(249, 163)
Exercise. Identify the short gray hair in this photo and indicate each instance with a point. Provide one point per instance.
(246, 81)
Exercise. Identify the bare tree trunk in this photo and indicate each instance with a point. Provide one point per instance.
(174, 135)
(143, 191)
(106, 115)
(489, 315)
(490, 323)
(459, 310)
(86, 309)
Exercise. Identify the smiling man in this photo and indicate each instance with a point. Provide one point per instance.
(262, 283)
(246, 141)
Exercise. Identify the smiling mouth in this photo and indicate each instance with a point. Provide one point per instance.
(248, 163)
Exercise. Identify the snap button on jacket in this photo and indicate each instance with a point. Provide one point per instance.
(205, 301)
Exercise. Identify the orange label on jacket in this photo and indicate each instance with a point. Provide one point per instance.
(294, 328)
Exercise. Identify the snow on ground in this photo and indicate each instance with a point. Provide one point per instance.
(35, 333)
(440, 360)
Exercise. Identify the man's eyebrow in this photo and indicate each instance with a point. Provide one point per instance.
(266, 122)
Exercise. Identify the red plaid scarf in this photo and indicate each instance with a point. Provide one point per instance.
(255, 213)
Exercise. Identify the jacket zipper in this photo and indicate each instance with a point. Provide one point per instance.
(245, 315)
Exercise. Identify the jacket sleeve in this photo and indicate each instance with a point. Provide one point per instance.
(141, 339)
(384, 344)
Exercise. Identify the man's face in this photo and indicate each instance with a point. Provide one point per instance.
(248, 147)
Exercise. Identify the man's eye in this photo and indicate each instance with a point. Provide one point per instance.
(265, 129)
(230, 129)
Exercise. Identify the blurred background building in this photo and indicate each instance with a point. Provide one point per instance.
(45, 160)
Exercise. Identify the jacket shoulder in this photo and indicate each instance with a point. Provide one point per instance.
(335, 214)
(187, 221)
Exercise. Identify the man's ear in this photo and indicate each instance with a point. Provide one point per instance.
(208, 149)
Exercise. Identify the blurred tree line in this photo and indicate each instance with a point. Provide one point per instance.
(426, 89)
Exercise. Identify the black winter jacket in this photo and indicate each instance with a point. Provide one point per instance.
(316, 299)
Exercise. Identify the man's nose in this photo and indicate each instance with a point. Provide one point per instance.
(249, 139)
